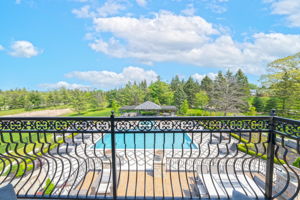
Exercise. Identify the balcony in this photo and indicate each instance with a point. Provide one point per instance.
(150, 157)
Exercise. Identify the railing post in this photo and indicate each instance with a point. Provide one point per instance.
(113, 148)
(270, 160)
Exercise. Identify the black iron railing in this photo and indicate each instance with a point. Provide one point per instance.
(150, 157)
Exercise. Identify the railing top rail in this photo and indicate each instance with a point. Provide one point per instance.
(143, 117)
(196, 118)
(294, 121)
(54, 118)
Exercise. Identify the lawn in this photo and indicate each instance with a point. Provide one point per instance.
(106, 112)
(22, 110)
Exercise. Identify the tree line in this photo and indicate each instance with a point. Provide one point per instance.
(227, 93)
(184, 94)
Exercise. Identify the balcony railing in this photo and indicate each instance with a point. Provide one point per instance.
(150, 157)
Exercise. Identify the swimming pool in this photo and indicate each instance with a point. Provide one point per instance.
(147, 141)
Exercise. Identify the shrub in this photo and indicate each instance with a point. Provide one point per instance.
(296, 163)
(19, 171)
(246, 148)
(49, 187)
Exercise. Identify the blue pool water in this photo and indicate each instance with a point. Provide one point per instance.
(147, 141)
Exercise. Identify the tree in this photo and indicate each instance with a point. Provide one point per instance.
(96, 100)
(184, 107)
(283, 82)
(252, 111)
(243, 87)
(226, 95)
(175, 83)
(258, 104)
(64, 96)
(2, 102)
(78, 101)
(179, 96)
(50, 99)
(243, 83)
(161, 91)
(114, 106)
(35, 99)
(201, 99)
(271, 104)
(207, 85)
(191, 88)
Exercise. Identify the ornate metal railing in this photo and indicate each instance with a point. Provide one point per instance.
(150, 157)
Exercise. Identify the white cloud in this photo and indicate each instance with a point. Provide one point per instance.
(63, 84)
(199, 77)
(18, 1)
(141, 2)
(216, 6)
(24, 49)
(289, 8)
(109, 8)
(83, 12)
(109, 79)
(1, 47)
(189, 39)
(189, 10)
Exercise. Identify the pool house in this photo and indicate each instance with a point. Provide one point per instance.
(148, 108)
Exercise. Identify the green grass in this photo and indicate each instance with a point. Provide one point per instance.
(247, 147)
(22, 110)
(25, 151)
(200, 112)
(106, 112)
(12, 112)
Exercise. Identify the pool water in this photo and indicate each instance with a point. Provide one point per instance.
(147, 141)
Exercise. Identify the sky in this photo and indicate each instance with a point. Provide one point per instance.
(103, 44)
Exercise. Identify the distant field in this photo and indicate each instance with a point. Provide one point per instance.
(11, 112)
(106, 112)
(22, 110)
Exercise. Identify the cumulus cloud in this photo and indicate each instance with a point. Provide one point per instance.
(63, 84)
(24, 49)
(191, 40)
(1, 47)
(109, 79)
(109, 8)
(199, 77)
(289, 8)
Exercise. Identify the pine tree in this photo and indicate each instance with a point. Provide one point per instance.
(191, 88)
(179, 96)
(226, 95)
(184, 107)
(272, 103)
(175, 83)
(243, 83)
(258, 104)
(78, 101)
(207, 85)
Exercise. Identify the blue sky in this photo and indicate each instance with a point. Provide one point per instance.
(47, 44)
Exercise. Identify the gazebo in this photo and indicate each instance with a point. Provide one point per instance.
(149, 107)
